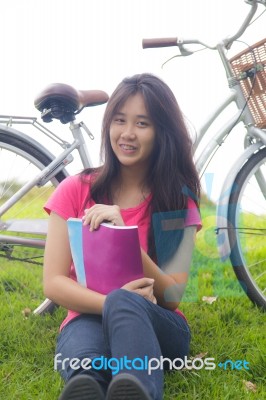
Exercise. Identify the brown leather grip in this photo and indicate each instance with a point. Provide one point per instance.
(159, 42)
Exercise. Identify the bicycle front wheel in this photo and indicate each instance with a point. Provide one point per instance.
(247, 227)
(22, 226)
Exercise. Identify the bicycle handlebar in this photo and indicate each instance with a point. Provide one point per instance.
(169, 42)
(254, 5)
(160, 42)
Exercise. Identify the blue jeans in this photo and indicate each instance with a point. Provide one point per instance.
(131, 327)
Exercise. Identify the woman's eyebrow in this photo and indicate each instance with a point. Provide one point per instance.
(143, 116)
(119, 113)
(138, 115)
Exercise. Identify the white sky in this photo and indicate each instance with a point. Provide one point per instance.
(93, 44)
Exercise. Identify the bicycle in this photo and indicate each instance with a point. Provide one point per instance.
(246, 78)
(23, 232)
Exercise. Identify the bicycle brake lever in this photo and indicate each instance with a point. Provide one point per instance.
(184, 52)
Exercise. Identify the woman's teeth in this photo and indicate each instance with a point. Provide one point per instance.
(127, 147)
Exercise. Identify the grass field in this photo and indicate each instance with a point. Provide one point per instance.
(229, 328)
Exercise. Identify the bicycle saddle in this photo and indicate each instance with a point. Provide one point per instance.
(63, 102)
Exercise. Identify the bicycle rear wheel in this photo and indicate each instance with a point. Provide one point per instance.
(21, 264)
(247, 227)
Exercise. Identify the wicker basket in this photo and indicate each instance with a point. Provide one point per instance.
(241, 64)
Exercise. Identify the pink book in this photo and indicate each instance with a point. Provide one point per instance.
(107, 258)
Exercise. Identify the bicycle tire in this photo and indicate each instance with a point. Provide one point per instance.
(247, 228)
(21, 273)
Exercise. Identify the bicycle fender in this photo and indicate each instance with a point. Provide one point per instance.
(222, 223)
(32, 142)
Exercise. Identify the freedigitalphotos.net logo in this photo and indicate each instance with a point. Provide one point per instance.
(146, 364)
(124, 363)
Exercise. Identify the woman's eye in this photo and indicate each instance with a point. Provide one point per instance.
(119, 120)
(142, 123)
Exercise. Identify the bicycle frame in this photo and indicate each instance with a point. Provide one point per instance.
(221, 134)
(57, 164)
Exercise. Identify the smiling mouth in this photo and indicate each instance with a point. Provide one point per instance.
(127, 147)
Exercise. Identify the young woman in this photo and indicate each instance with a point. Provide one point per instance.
(147, 179)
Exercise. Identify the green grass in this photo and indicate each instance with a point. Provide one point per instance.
(229, 328)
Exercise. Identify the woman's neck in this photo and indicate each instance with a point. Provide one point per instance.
(130, 189)
(132, 178)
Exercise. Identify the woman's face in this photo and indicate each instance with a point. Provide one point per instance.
(132, 133)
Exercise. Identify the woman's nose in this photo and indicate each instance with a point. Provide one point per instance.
(128, 132)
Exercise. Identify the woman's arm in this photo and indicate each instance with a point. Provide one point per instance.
(170, 281)
(57, 261)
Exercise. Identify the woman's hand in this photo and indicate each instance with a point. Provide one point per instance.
(143, 287)
(99, 213)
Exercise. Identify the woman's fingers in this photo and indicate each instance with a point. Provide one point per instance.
(100, 213)
(143, 287)
(138, 283)
(95, 221)
(147, 293)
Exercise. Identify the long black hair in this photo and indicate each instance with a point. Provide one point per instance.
(172, 176)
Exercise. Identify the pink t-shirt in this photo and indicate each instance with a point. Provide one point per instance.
(70, 200)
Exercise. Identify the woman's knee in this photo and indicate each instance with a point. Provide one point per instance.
(121, 300)
(115, 297)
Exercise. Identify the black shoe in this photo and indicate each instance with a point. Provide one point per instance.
(126, 387)
(82, 387)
